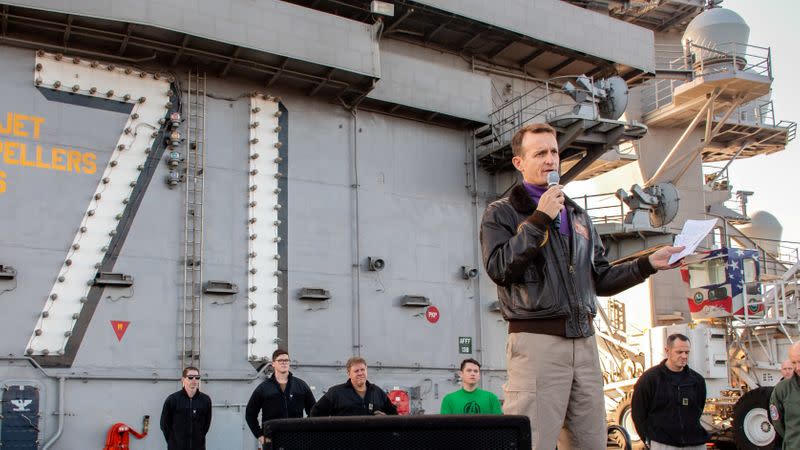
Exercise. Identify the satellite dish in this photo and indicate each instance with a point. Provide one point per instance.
(650, 207)
(616, 101)
(666, 209)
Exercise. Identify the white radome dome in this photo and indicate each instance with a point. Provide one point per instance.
(717, 26)
(720, 29)
(764, 225)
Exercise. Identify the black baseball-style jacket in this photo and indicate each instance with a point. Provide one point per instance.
(547, 283)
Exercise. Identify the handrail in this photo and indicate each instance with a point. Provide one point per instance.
(791, 129)
(547, 99)
(603, 210)
(768, 260)
(772, 303)
(546, 84)
(594, 199)
(703, 60)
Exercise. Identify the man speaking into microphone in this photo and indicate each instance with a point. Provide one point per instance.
(548, 262)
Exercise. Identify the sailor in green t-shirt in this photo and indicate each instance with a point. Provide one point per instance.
(470, 399)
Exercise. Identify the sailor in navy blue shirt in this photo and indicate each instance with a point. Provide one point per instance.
(281, 396)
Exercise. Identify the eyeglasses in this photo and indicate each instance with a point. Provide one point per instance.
(192, 377)
(282, 361)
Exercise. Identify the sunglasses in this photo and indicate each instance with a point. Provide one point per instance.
(193, 377)
(282, 361)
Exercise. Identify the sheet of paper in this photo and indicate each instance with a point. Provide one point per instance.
(692, 234)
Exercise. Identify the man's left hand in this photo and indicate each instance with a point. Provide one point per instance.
(660, 258)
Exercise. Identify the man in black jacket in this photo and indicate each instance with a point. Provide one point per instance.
(186, 415)
(668, 401)
(356, 397)
(549, 264)
(281, 396)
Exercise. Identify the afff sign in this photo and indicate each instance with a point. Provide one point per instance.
(465, 345)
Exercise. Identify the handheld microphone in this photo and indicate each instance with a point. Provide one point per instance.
(552, 179)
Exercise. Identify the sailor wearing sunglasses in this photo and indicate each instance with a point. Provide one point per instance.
(186, 416)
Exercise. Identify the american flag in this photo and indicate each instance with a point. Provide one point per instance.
(700, 299)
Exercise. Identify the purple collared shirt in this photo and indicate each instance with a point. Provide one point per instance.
(536, 193)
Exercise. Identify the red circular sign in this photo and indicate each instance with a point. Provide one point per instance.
(432, 314)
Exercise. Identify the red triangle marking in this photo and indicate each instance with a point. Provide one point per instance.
(120, 326)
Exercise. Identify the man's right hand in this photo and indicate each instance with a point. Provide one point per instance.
(261, 440)
(552, 201)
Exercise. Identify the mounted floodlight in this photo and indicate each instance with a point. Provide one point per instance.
(382, 8)
(415, 301)
(220, 287)
(375, 264)
(468, 272)
(174, 158)
(173, 178)
(174, 139)
(113, 279)
(7, 272)
(312, 293)
(174, 120)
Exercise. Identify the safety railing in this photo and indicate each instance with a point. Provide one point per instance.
(738, 203)
(788, 253)
(765, 113)
(730, 57)
(603, 208)
(542, 103)
(776, 300)
(759, 112)
(658, 93)
(774, 256)
(744, 58)
(777, 305)
(670, 57)
(791, 129)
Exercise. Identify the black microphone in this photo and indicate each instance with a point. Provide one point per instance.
(552, 179)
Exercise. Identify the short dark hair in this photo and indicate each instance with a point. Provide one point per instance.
(469, 361)
(279, 352)
(355, 360)
(676, 336)
(535, 128)
(189, 368)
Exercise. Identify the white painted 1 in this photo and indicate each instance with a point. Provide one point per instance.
(263, 228)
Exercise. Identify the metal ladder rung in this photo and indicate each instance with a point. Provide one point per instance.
(193, 267)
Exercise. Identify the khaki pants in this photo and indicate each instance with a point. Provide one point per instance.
(557, 383)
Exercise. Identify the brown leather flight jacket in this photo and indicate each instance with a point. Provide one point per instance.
(541, 274)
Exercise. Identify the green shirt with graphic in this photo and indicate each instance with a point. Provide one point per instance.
(475, 402)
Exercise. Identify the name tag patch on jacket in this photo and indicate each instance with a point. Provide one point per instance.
(581, 229)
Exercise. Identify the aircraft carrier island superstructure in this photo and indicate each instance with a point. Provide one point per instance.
(199, 183)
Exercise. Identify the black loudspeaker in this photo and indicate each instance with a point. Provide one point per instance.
(399, 432)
